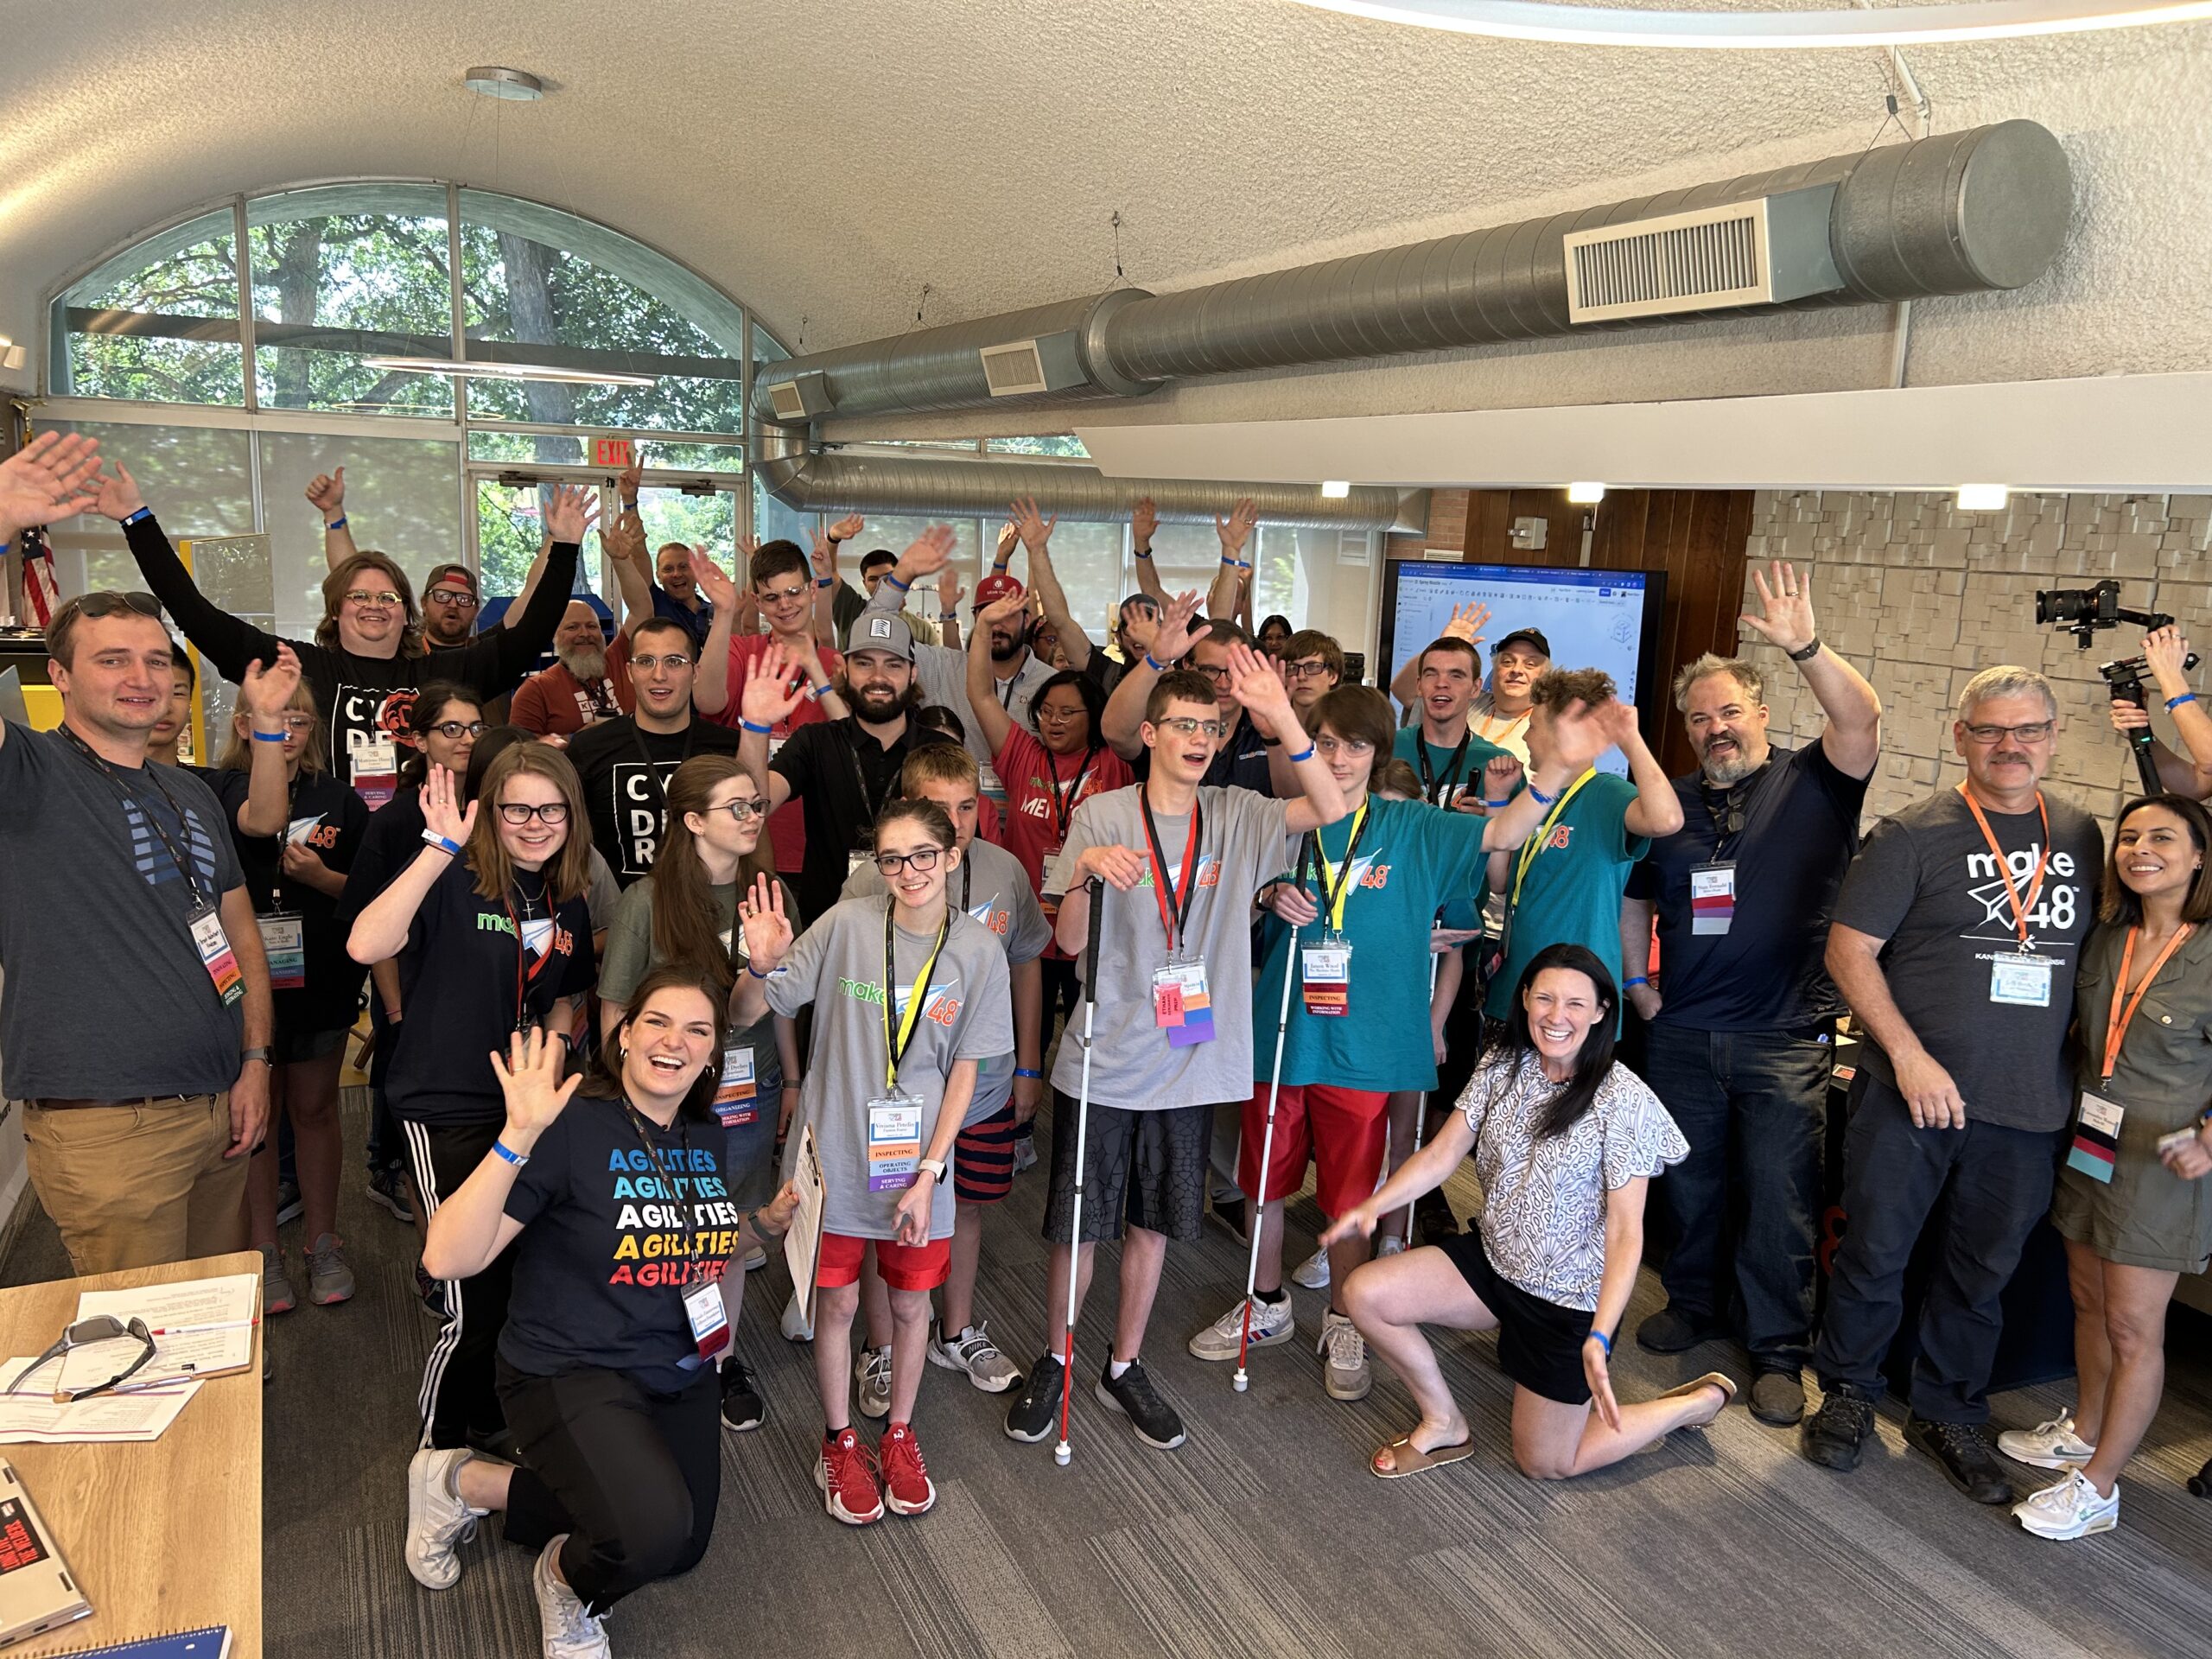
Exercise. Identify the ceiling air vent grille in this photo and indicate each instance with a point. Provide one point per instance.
(790, 406)
(1015, 370)
(1685, 262)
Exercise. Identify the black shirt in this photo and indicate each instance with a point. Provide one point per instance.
(841, 776)
(625, 774)
(1800, 828)
(458, 978)
(606, 1248)
(388, 845)
(1241, 762)
(330, 996)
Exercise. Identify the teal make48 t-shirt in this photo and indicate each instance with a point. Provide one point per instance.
(1413, 860)
(1442, 781)
(1572, 894)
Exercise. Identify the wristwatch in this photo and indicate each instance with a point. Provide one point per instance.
(1805, 654)
(261, 1054)
(935, 1166)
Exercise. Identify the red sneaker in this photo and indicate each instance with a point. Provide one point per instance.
(846, 1474)
(907, 1487)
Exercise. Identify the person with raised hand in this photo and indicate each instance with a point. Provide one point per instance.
(1203, 648)
(1230, 580)
(620, 1308)
(2167, 653)
(1466, 623)
(367, 656)
(53, 476)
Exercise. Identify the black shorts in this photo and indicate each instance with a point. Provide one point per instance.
(1539, 1343)
(1142, 1169)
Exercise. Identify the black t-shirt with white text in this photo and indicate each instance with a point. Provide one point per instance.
(625, 772)
(330, 996)
(841, 776)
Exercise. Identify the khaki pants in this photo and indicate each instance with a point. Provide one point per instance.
(137, 1185)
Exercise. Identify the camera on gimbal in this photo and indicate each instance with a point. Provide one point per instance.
(2082, 612)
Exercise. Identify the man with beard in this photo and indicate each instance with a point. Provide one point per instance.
(1742, 1031)
(578, 691)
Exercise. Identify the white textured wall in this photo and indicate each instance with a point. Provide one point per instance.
(1921, 597)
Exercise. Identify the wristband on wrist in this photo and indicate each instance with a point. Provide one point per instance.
(1812, 649)
(948, 616)
(1541, 799)
(833, 538)
(1602, 1340)
(903, 587)
(1156, 667)
(339, 523)
(1496, 805)
(755, 972)
(825, 582)
(517, 1159)
(1630, 984)
(1027, 1072)
(756, 727)
(2173, 703)
(269, 737)
(1230, 562)
(148, 512)
(1140, 552)
(432, 838)
(822, 691)
(1301, 757)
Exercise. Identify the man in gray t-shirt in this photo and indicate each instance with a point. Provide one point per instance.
(1955, 941)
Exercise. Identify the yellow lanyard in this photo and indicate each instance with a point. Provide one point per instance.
(1336, 894)
(1535, 844)
(896, 1045)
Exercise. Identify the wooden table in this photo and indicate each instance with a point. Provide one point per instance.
(164, 1535)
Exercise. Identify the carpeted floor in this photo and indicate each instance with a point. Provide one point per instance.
(1264, 1534)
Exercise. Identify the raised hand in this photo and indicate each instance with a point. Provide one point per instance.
(1237, 529)
(1000, 609)
(1171, 641)
(1466, 622)
(713, 581)
(768, 929)
(1256, 684)
(848, 527)
(267, 692)
(1122, 867)
(1501, 777)
(948, 590)
(1578, 737)
(774, 683)
(1787, 607)
(1032, 525)
(1010, 538)
(530, 1079)
(1144, 522)
(624, 540)
(327, 492)
(53, 476)
(570, 512)
(441, 808)
(825, 555)
(2167, 652)
(119, 495)
(1616, 720)
(627, 482)
(928, 554)
(746, 547)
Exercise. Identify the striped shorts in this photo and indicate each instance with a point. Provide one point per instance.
(982, 1159)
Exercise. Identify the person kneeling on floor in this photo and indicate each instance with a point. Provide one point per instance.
(1566, 1141)
(624, 1235)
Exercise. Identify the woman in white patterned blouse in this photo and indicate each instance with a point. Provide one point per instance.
(1566, 1141)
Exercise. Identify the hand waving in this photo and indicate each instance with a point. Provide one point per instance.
(948, 590)
(1170, 642)
(1787, 605)
(119, 495)
(768, 929)
(1237, 529)
(1144, 522)
(529, 1078)
(570, 512)
(1031, 525)
(441, 810)
(713, 581)
(53, 476)
(774, 683)
(928, 554)
(327, 492)
(1467, 622)
(1256, 684)
(848, 527)
(267, 692)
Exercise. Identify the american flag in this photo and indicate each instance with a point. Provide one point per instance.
(41, 593)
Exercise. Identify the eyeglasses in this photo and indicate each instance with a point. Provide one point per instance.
(776, 596)
(1311, 669)
(298, 723)
(521, 812)
(1185, 725)
(743, 811)
(363, 596)
(1218, 676)
(108, 603)
(87, 1333)
(673, 661)
(1357, 747)
(922, 862)
(2034, 732)
(443, 596)
(452, 729)
(1059, 716)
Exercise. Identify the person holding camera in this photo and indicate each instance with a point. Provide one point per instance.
(2166, 654)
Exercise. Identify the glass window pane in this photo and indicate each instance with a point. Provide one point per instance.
(1065, 443)
(403, 498)
(898, 533)
(1088, 559)
(1187, 557)
(510, 529)
(708, 521)
(548, 449)
(157, 323)
(773, 521)
(692, 457)
(198, 481)
(1318, 578)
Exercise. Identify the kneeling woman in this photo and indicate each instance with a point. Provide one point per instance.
(623, 1233)
(909, 995)
(1566, 1141)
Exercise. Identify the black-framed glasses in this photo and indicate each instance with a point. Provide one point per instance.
(454, 730)
(447, 596)
(1311, 668)
(108, 601)
(2033, 732)
(88, 1333)
(924, 860)
(521, 812)
(742, 812)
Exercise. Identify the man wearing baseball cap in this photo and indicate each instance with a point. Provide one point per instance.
(451, 602)
(1500, 715)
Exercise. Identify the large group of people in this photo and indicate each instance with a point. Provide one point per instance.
(795, 861)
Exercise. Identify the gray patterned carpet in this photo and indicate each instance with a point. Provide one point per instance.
(1264, 1534)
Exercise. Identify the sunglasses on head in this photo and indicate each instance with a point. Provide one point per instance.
(109, 602)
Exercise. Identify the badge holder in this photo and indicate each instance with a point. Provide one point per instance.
(737, 1102)
(1326, 979)
(702, 1306)
(2095, 1148)
(2020, 980)
(283, 942)
(1180, 1005)
(373, 766)
(894, 1142)
(215, 953)
(1713, 897)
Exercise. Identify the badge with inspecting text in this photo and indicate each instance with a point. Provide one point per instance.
(2021, 981)
(1712, 898)
(284, 944)
(702, 1306)
(2096, 1137)
(1326, 980)
(215, 954)
(894, 1142)
(736, 1098)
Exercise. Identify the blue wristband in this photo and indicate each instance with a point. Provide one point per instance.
(339, 523)
(1301, 757)
(1602, 1340)
(2173, 703)
(143, 512)
(1140, 552)
(1028, 1071)
(1541, 799)
(825, 582)
(450, 849)
(903, 587)
(1495, 805)
(822, 690)
(1156, 668)
(755, 972)
(517, 1159)
(269, 737)
(1630, 984)
(755, 728)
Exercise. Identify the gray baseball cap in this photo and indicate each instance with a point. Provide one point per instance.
(881, 631)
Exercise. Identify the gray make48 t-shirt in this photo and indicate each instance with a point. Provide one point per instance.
(837, 965)
(1133, 1065)
(1927, 882)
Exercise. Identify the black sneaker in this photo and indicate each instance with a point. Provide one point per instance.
(1132, 1395)
(432, 1292)
(1037, 1406)
(742, 1406)
(1832, 1435)
(1778, 1397)
(1433, 1222)
(1964, 1451)
(1669, 1332)
(289, 1205)
(388, 1188)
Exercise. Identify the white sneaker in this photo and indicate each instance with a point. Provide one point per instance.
(971, 1352)
(872, 1371)
(1312, 1271)
(2069, 1509)
(1390, 1244)
(437, 1518)
(1347, 1375)
(796, 1327)
(566, 1629)
(2053, 1445)
(1271, 1323)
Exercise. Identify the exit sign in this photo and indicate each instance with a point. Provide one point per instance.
(612, 452)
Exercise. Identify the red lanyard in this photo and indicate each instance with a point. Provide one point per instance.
(2005, 870)
(526, 972)
(2117, 1019)
(1173, 918)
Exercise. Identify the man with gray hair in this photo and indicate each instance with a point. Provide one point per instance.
(1969, 910)
(1742, 1029)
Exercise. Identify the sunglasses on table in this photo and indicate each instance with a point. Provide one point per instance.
(521, 812)
(88, 1333)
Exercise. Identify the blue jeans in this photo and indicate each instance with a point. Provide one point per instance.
(1753, 1106)
(1993, 1184)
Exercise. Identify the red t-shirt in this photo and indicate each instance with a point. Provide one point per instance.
(553, 702)
(1036, 810)
(787, 827)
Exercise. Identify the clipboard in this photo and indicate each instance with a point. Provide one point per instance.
(803, 1244)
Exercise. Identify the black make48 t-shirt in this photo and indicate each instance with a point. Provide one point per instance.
(336, 818)
(625, 774)
(458, 984)
(841, 776)
(1766, 973)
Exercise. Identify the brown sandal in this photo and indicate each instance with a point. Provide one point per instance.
(1710, 1380)
(1403, 1448)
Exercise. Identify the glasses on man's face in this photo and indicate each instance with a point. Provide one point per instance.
(1219, 676)
(781, 595)
(922, 862)
(87, 1333)
(2033, 732)
(521, 812)
(1311, 669)
(1187, 726)
(454, 730)
(742, 812)
(460, 596)
(1357, 747)
(366, 596)
(674, 662)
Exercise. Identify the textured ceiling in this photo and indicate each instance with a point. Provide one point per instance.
(823, 161)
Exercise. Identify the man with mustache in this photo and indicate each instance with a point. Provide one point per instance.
(1742, 1028)
(1969, 910)
(579, 689)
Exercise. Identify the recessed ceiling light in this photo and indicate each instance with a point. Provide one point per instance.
(1586, 495)
(1982, 497)
(511, 85)
(1336, 489)
(507, 372)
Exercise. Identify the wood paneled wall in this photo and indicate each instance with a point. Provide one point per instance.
(1697, 536)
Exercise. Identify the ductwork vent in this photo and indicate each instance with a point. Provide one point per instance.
(1014, 371)
(790, 406)
(1768, 251)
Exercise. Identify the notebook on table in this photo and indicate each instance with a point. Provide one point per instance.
(213, 1642)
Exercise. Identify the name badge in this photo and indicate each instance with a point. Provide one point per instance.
(215, 954)
(894, 1142)
(1060, 872)
(283, 943)
(736, 1099)
(373, 764)
(1180, 1006)
(702, 1306)
(1327, 978)
(537, 934)
(2096, 1137)
(1713, 897)
(2022, 981)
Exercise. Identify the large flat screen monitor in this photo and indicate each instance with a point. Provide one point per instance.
(1594, 619)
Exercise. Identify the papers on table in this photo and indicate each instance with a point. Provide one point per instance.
(141, 1415)
(803, 1244)
(202, 1327)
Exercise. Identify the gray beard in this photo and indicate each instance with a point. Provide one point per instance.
(1728, 772)
(585, 665)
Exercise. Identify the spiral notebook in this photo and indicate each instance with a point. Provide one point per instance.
(214, 1643)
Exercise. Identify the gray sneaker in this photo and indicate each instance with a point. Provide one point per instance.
(276, 1293)
(329, 1280)
(872, 1372)
(1347, 1377)
(1272, 1323)
(972, 1352)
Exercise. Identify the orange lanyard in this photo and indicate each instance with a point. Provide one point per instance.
(2005, 870)
(2116, 1021)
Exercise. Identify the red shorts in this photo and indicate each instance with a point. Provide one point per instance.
(1342, 1131)
(904, 1267)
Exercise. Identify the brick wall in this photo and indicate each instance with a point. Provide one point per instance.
(1920, 597)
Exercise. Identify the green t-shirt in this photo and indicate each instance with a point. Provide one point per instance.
(1572, 894)
(1413, 860)
(1444, 782)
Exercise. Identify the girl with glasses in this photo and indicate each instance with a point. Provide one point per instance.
(910, 995)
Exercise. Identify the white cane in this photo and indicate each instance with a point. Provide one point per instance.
(1095, 891)
(1421, 1106)
(1267, 1151)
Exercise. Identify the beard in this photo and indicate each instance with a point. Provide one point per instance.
(879, 703)
(1729, 769)
(1005, 649)
(585, 663)
(440, 631)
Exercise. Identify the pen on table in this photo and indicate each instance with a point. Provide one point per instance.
(195, 1330)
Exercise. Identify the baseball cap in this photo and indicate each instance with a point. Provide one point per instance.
(1142, 600)
(881, 631)
(1533, 636)
(459, 573)
(995, 587)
